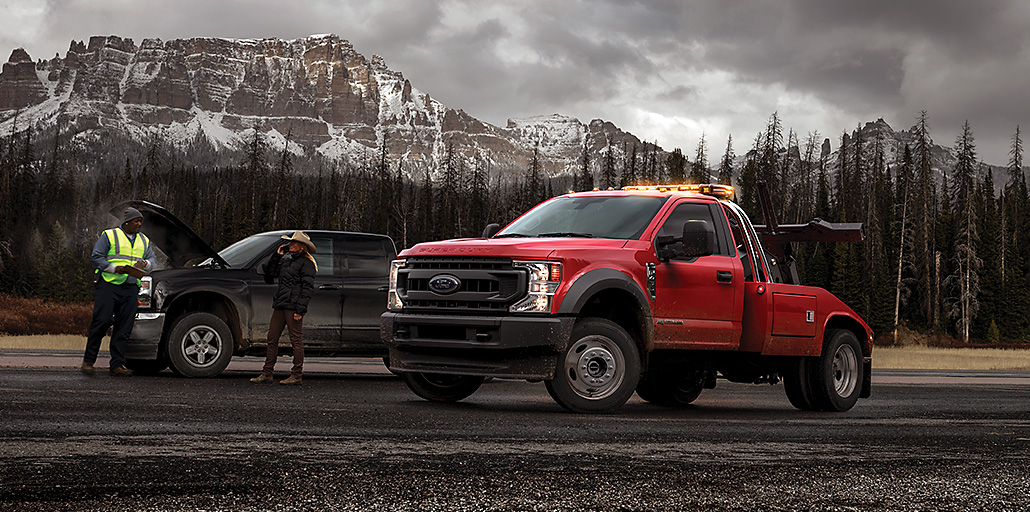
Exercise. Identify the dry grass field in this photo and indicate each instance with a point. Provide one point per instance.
(913, 357)
(932, 358)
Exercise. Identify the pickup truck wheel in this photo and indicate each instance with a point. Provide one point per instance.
(146, 366)
(796, 383)
(599, 370)
(836, 376)
(200, 345)
(671, 388)
(440, 387)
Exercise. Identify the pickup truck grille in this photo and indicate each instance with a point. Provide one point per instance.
(486, 285)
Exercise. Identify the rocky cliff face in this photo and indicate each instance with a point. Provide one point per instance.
(317, 92)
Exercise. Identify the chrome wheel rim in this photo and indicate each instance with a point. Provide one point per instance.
(845, 370)
(200, 346)
(595, 367)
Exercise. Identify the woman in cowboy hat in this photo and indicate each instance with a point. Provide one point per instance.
(296, 268)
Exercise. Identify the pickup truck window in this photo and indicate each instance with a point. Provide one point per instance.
(366, 257)
(619, 217)
(673, 225)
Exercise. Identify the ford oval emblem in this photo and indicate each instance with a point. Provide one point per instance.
(444, 284)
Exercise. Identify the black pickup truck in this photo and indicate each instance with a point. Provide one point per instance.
(201, 307)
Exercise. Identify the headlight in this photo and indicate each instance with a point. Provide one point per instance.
(393, 300)
(544, 278)
(145, 291)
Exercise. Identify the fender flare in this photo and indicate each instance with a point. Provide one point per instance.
(594, 281)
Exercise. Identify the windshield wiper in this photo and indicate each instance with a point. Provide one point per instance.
(566, 233)
(511, 235)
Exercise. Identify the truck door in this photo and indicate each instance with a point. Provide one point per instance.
(699, 301)
(322, 321)
(365, 287)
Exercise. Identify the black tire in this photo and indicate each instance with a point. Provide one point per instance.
(146, 366)
(599, 369)
(835, 378)
(796, 383)
(671, 388)
(441, 387)
(200, 345)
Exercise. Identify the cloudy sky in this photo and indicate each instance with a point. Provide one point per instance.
(664, 70)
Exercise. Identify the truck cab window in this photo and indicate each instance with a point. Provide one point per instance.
(685, 212)
(740, 242)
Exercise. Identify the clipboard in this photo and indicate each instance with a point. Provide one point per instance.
(134, 272)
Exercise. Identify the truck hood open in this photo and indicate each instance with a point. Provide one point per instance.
(515, 248)
(169, 234)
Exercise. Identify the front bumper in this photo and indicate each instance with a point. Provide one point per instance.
(145, 338)
(505, 346)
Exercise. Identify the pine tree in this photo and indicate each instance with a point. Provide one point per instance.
(699, 172)
(609, 177)
(585, 180)
(726, 164)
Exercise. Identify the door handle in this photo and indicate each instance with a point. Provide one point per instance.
(724, 276)
(329, 287)
(383, 288)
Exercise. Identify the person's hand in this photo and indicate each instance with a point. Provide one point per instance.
(283, 249)
(140, 264)
(120, 269)
(298, 316)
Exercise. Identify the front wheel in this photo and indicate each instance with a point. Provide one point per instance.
(200, 345)
(440, 387)
(599, 370)
(835, 377)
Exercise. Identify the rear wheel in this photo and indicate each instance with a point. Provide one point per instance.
(835, 378)
(599, 370)
(440, 387)
(671, 387)
(796, 383)
(200, 345)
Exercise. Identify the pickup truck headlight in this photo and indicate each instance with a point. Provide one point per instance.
(145, 292)
(544, 278)
(393, 301)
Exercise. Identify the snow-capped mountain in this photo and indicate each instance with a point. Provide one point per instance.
(315, 94)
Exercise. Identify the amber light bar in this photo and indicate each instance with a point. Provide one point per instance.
(711, 189)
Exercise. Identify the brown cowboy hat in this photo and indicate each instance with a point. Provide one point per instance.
(300, 236)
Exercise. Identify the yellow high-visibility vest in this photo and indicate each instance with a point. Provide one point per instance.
(123, 252)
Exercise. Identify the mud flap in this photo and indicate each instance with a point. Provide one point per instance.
(867, 378)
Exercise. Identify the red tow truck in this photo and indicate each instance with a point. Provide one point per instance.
(658, 290)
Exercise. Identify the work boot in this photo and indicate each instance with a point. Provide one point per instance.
(264, 377)
(87, 368)
(121, 371)
(292, 379)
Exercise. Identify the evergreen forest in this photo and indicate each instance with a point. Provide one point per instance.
(946, 249)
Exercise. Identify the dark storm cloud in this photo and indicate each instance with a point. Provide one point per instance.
(723, 63)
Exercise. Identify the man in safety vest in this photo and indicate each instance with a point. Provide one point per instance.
(119, 253)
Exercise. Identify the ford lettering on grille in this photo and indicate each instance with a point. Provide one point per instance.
(444, 284)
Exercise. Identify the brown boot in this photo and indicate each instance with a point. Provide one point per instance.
(120, 371)
(264, 377)
(291, 380)
(87, 368)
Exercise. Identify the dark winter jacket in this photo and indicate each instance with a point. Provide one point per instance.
(296, 281)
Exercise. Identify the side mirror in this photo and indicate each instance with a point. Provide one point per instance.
(490, 230)
(698, 239)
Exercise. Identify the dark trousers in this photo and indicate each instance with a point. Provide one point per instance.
(284, 318)
(112, 304)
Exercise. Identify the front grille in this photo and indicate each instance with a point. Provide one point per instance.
(486, 284)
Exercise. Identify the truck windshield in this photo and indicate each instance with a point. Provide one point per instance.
(619, 217)
(242, 252)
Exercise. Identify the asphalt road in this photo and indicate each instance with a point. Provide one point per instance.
(354, 438)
